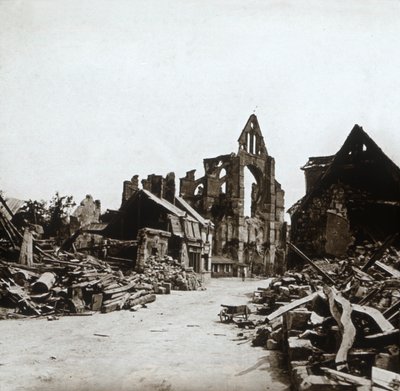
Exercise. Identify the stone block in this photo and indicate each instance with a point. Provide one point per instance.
(167, 286)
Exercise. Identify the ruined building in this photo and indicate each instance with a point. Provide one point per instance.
(257, 240)
(162, 223)
(351, 197)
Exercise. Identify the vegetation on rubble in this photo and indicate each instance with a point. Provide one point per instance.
(50, 215)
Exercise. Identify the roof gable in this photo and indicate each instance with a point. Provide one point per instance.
(251, 139)
(357, 147)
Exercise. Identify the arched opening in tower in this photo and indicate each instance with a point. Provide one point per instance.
(222, 177)
(250, 192)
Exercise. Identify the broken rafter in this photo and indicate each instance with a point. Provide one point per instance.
(380, 251)
(374, 315)
(308, 260)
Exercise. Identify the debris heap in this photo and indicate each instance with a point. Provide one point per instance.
(77, 283)
(337, 321)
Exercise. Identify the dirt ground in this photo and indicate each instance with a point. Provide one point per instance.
(176, 344)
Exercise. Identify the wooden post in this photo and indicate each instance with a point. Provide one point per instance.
(26, 254)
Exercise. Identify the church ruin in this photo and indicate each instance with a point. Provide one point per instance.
(256, 240)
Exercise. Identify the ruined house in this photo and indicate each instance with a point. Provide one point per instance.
(351, 197)
(162, 223)
(257, 240)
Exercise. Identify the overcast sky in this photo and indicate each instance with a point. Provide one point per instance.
(93, 92)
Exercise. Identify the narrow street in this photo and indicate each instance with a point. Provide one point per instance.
(176, 344)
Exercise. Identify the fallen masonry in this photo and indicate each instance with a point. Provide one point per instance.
(337, 322)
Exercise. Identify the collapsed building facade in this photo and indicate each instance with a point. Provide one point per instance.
(162, 224)
(258, 240)
(351, 197)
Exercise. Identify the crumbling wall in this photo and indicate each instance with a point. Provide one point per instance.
(323, 227)
(88, 212)
(151, 242)
(160, 186)
(220, 195)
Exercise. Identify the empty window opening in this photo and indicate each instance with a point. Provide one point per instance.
(199, 190)
(249, 184)
(364, 147)
(251, 144)
(248, 142)
(222, 174)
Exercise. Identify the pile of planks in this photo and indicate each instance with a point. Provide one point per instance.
(77, 283)
(37, 278)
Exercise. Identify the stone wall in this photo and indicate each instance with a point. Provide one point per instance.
(323, 227)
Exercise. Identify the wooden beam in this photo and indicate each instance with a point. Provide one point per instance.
(288, 307)
(374, 315)
(357, 380)
(380, 251)
(309, 261)
(386, 379)
(26, 254)
(343, 319)
(388, 269)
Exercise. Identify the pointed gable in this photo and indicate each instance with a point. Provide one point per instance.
(362, 164)
(361, 160)
(251, 139)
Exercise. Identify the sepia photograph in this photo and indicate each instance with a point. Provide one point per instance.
(199, 195)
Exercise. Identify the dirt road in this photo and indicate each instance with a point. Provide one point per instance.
(176, 344)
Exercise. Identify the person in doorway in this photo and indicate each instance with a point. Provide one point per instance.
(243, 275)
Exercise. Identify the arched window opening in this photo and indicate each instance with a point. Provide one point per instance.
(199, 190)
(222, 174)
(248, 143)
(249, 186)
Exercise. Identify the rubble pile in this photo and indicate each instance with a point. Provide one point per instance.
(337, 322)
(169, 271)
(78, 283)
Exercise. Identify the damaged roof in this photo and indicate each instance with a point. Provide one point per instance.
(195, 214)
(355, 144)
(164, 203)
(13, 205)
(318, 162)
